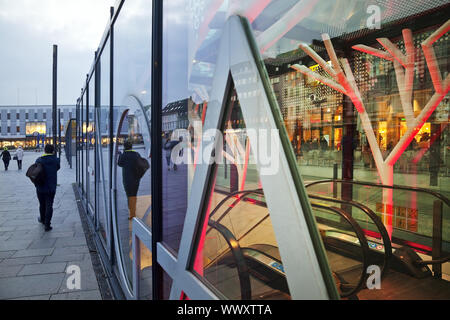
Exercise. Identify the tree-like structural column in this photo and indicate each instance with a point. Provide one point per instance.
(342, 80)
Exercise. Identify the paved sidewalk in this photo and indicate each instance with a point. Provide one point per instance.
(33, 263)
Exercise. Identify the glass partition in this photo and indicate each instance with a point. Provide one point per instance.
(103, 141)
(131, 153)
(90, 147)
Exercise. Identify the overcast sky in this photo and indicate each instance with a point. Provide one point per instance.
(28, 30)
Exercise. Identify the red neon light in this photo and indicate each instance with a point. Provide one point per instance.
(198, 264)
(372, 234)
(418, 246)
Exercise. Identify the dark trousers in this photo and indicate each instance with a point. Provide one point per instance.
(46, 206)
(6, 163)
(19, 164)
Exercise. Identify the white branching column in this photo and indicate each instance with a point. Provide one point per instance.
(342, 80)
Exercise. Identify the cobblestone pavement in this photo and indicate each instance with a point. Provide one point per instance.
(33, 263)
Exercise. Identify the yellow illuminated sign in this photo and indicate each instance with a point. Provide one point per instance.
(32, 127)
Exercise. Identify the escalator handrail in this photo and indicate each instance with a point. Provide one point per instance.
(257, 191)
(377, 221)
(395, 186)
(437, 261)
(240, 260)
(241, 265)
(245, 192)
(362, 241)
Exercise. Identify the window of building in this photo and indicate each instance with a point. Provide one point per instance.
(17, 116)
(26, 116)
(9, 116)
(45, 115)
(18, 129)
(9, 129)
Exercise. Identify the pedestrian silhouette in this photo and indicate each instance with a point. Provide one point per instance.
(19, 157)
(6, 157)
(47, 190)
(129, 161)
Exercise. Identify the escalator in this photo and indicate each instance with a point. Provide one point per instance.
(409, 275)
(258, 266)
(350, 251)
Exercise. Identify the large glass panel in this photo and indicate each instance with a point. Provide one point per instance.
(102, 135)
(361, 87)
(90, 137)
(83, 150)
(361, 101)
(237, 251)
(177, 103)
(132, 97)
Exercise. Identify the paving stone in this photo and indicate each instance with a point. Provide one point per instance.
(70, 242)
(56, 234)
(71, 250)
(17, 261)
(2, 228)
(44, 268)
(33, 253)
(33, 262)
(9, 245)
(78, 295)
(42, 243)
(28, 286)
(6, 254)
(43, 297)
(10, 271)
(63, 257)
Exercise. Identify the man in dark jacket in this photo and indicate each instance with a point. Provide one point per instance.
(46, 191)
(6, 156)
(128, 161)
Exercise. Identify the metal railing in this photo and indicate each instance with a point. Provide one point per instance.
(438, 212)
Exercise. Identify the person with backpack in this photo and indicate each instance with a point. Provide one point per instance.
(19, 157)
(46, 189)
(133, 168)
(168, 147)
(6, 157)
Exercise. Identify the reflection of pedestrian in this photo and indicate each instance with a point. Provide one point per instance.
(323, 143)
(168, 146)
(19, 156)
(46, 191)
(128, 160)
(6, 156)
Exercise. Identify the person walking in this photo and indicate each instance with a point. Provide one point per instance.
(128, 161)
(19, 157)
(47, 190)
(168, 147)
(6, 157)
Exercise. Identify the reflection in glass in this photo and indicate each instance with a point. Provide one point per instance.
(90, 142)
(237, 252)
(131, 123)
(133, 197)
(103, 141)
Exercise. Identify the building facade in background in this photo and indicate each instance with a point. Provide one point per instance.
(24, 125)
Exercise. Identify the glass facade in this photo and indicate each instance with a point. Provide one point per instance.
(299, 145)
